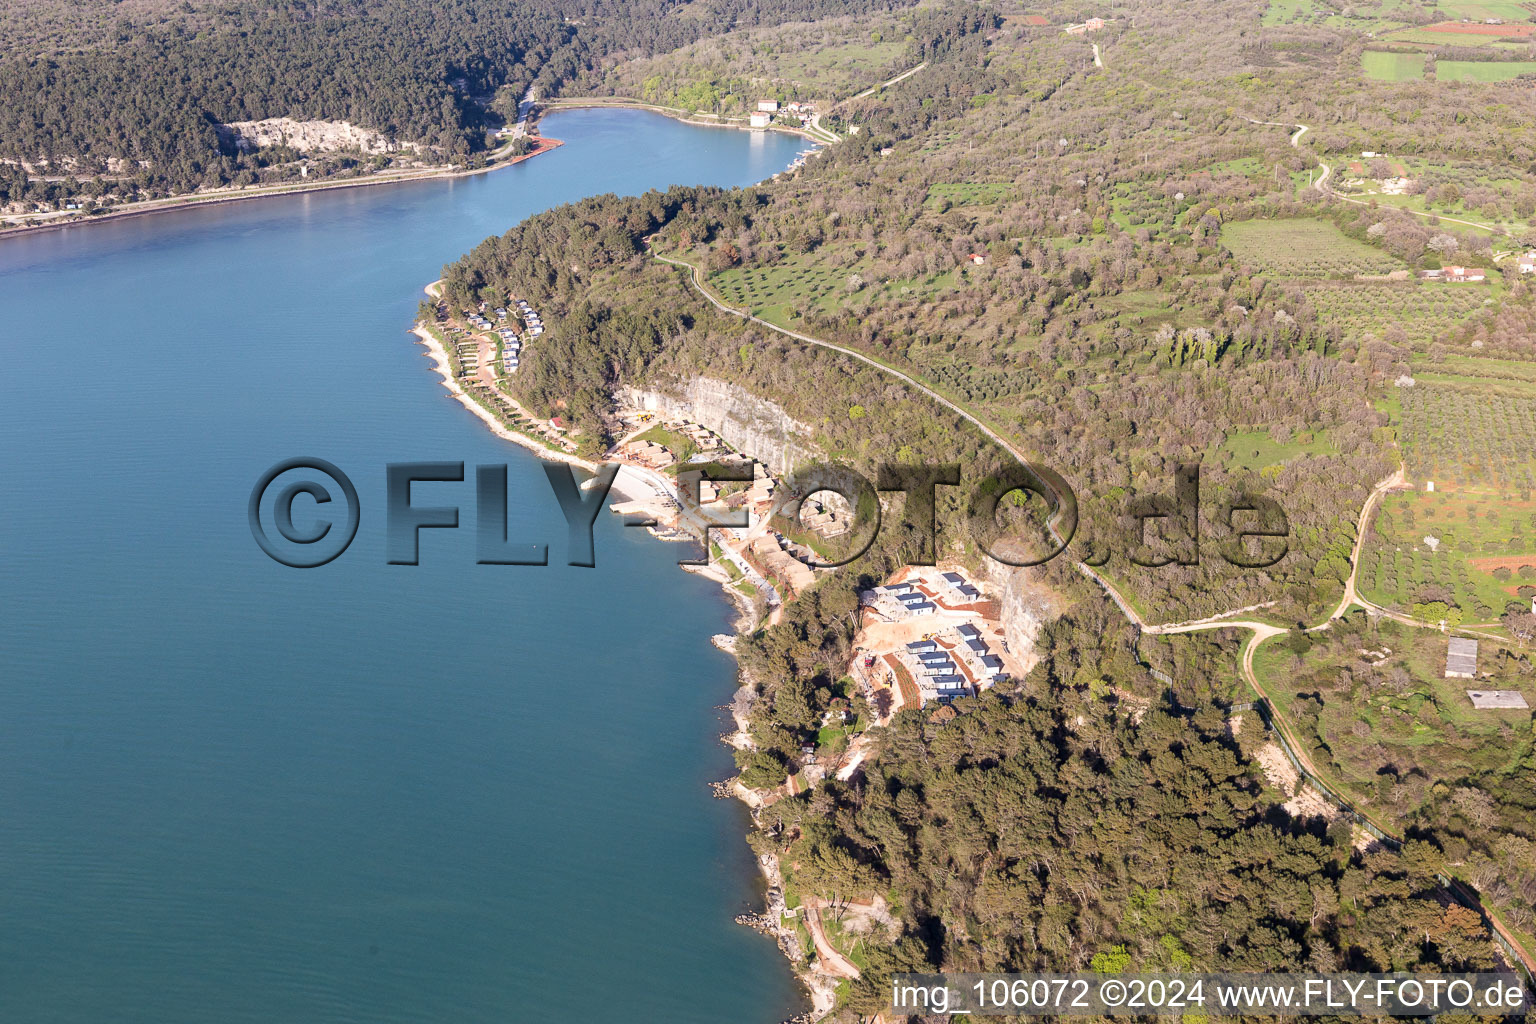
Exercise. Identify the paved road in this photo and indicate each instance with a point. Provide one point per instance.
(524, 107)
(817, 128)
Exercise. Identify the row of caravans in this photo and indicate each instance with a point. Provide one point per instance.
(512, 343)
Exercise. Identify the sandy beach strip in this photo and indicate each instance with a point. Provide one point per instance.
(441, 365)
(631, 483)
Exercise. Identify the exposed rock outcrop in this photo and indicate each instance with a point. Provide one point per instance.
(746, 422)
(1028, 604)
(310, 136)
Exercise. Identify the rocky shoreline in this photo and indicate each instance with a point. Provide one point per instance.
(771, 920)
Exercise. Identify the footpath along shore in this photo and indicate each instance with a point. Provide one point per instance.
(52, 220)
(72, 219)
(821, 136)
(639, 485)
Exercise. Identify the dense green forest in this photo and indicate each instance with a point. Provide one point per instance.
(1121, 271)
(141, 101)
(1050, 829)
(1072, 336)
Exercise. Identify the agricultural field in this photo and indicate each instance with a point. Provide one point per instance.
(938, 140)
(1421, 310)
(1138, 205)
(1366, 16)
(1303, 248)
(1482, 10)
(778, 292)
(1372, 703)
(1473, 435)
(1462, 28)
(1392, 67)
(1475, 558)
(970, 193)
(1247, 167)
(726, 74)
(1495, 194)
(785, 291)
(1461, 368)
(1470, 539)
(1244, 165)
(1482, 70)
(847, 65)
(1290, 12)
(982, 383)
(1459, 210)
(1431, 37)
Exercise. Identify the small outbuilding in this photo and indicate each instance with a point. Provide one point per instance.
(1490, 700)
(1461, 658)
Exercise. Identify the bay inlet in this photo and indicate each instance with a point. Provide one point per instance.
(231, 791)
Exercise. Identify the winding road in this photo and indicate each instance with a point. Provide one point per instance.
(832, 961)
(1321, 184)
(1261, 631)
(695, 278)
(883, 85)
(1397, 481)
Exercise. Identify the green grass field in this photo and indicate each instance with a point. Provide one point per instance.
(1284, 12)
(680, 445)
(1255, 449)
(969, 193)
(1482, 10)
(1303, 248)
(1482, 70)
(1353, 725)
(1392, 67)
(1423, 37)
(1248, 167)
(786, 291)
(1364, 16)
(1242, 165)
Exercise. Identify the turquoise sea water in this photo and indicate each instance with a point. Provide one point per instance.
(231, 791)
